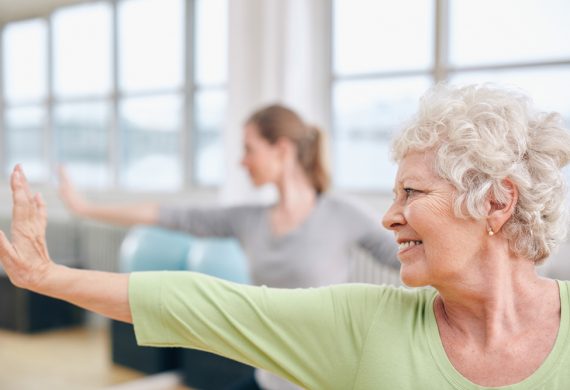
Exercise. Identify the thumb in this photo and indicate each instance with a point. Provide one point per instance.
(7, 252)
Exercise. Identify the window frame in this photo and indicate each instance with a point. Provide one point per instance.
(441, 69)
(187, 91)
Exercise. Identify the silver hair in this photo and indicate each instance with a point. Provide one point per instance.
(484, 134)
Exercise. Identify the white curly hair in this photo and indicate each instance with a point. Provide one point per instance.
(483, 134)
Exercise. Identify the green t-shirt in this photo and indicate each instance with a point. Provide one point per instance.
(350, 336)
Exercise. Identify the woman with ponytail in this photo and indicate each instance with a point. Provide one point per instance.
(303, 240)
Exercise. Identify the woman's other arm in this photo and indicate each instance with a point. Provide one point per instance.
(362, 228)
(201, 221)
(124, 214)
(381, 246)
(28, 265)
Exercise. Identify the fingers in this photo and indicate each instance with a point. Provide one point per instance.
(26, 207)
(22, 180)
(63, 176)
(21, 196)
(65, 182)
(41, 210)
(72, 199)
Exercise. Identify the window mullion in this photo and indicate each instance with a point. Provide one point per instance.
(49, 148)
(114, 143)
(188, 136)
(441, 59)
(2, 106)
(328, 44)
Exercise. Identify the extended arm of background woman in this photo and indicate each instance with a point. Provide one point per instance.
(123, 214)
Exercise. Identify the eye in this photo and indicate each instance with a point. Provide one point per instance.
(410, 192)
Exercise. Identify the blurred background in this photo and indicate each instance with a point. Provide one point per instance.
(145, 99)
(148, 96)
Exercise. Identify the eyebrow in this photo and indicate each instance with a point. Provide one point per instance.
(411, 177)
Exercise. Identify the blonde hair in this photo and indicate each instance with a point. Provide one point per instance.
(483, 134)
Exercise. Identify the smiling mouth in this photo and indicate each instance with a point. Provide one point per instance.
(408, 244)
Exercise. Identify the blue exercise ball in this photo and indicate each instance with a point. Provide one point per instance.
(148, 248)
(219, 257)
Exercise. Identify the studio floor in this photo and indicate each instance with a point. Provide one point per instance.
(73, 359)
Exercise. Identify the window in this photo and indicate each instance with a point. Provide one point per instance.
(376, 83)
(82, 83)
(25, 87)
(508, 51)
(210, 83)
(150, 129)
(385, 54)
(151, 79)
(82, 51)
(127, 94)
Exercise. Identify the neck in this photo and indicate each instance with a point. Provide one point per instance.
(494, 298)
(296, 193)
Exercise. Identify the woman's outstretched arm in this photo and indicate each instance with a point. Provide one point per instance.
(27, 263)
(120, 214)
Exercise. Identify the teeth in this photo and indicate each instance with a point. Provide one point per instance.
(409, 244)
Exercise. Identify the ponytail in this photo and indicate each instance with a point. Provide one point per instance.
(314, 159)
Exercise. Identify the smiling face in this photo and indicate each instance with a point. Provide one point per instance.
(435, 246)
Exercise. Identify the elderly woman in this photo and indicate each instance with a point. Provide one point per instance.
(479, 200)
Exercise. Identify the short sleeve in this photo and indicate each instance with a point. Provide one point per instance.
(311, 337)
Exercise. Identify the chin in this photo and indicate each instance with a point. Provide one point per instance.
(412, 279)
(259, 183)
(412, 282)
(254, 180)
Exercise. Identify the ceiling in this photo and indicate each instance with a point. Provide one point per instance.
(24, 9)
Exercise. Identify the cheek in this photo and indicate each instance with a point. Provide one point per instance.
(270, 162)
(439, 230)
(255, 160)
(423, 218)
(433, 211)
(263, 167)
(246, 161)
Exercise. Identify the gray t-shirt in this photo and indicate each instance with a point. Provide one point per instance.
(314, 254)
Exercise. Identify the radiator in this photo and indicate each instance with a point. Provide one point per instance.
(99, 245)
(365, 269)
(63, 241)
(82, 244)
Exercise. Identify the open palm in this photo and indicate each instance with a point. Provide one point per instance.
(25, 259)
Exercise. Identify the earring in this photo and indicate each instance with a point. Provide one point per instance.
(490, 231)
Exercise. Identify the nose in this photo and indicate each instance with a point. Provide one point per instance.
(394, 217)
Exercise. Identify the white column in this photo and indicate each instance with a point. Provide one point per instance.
(278, 53)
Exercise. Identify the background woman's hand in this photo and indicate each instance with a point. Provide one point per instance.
(73, 200)
(26, 259)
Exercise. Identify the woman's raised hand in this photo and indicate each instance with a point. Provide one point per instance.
(25, 259)
(120, 214)
(73, 200)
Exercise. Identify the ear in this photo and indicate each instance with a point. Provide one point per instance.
(501, 210)
(286, 149)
